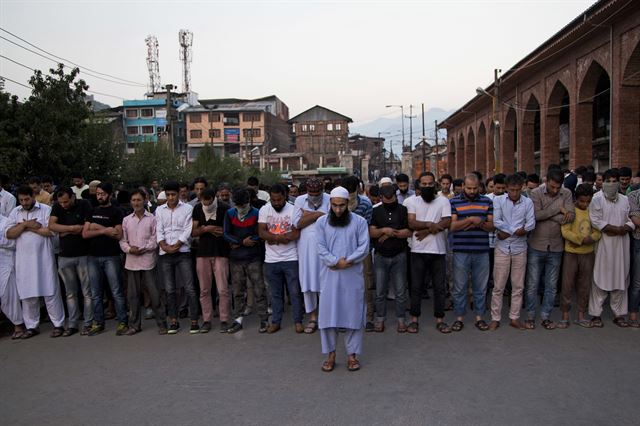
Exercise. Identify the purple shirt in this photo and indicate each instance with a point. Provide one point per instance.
(139, 233)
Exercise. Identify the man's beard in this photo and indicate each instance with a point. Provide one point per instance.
(339, 221)
(404, 191)
(103, 202)
(428, 193)
(278, 208)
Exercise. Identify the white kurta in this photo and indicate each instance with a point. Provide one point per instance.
(7, 256)
(36, 273)
(342, 291)
(309, 263)
(611, 269)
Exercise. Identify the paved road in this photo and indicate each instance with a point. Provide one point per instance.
(559, 377)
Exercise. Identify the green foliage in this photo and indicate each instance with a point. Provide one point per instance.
(12, 153)
(151, 161)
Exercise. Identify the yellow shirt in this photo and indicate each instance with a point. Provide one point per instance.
(44, 197)
(575, 231)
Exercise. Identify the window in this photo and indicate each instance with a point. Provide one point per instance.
(132, 130)
(146, 112)
(232, 119)
(195, 117)
(304, 127)
(132, 113)
(338, 126)
(293, 127)
(251, 116)
(214, 133)
(160, 130)
(329, 127)
(214, 117)
(195, 134)
(312, 127)
(147, 130)
(247, 133)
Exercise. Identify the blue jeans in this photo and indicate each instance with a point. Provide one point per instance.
(537, 261)
(634, 288)
(391, 270)
(112, 268)
(278, 275)
(476, 265)
(74, 272)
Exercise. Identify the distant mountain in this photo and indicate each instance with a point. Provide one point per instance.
(95, 105)
(391, 128)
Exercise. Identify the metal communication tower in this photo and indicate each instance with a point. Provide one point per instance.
(153, 63)
(185, 38)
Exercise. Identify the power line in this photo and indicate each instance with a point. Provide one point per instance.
(15, 82)
(71, 62)
(66, 66)
(32, 69)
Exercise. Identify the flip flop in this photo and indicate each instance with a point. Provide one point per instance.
(311, 327)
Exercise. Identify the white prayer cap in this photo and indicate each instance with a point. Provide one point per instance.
(339, 192)
(162, 196)
(385, 181)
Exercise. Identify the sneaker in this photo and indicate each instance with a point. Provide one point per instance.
(369, 327)
(206, 327)
(195, 328)
(263, 327)
(173, 328)
(148, 314)
(224, 326)
(234, 328)
(96, 329)
(121, 330)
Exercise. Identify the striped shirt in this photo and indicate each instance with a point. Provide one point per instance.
(474, 239)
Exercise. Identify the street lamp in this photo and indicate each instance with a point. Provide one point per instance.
(496, 104)
(402, 112)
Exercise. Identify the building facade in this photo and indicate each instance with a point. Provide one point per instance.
(322, 135)
(573, 101)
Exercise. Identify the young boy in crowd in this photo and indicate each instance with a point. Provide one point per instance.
(579, 257)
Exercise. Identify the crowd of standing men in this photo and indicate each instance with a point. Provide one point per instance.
(337, 251)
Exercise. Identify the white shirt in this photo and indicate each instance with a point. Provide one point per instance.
(279, 223)
(78, 191)
(7, 202)
(434, 211)
(173, 225)
(263, 195)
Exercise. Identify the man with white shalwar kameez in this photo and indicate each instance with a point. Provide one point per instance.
(309, 208)
(609, 213)
(343, 243)
(36, 272)
(9, 299)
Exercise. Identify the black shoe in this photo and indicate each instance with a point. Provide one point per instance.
(369, 327)
(224, 327)
(173, 328)
(234, 328)
(206, 327)
(195, 328)
(263, 327)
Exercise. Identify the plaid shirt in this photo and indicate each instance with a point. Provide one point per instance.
(634, 210)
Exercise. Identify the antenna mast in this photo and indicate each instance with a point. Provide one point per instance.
(185, 38)
(153, 63)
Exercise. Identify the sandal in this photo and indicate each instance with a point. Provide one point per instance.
(31, 332)
(353, 364)
(402, 327)
(596, 322)
(57, 332)
(328, 366)
(482, 325)
(17, 334)
(620, 322)
(530, 325)
(583, 323)
(443, 328)
(548, 324)
(413, 328)
(457, 326)
(562, 324)
(633, 324)
(378, 327)
(311, 327)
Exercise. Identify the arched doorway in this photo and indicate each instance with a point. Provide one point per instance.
(509, 144)
(555, 148)
(470, 152)
(593, 119)
(481, 150)
(451, 156)
(491, 158)
(629, 114)
(460, 156)
(529, 152)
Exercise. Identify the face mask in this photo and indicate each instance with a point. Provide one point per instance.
(610, 190)
(209, 209)
(243, 211)
(403, 192)
(428, 193)
(390, 206)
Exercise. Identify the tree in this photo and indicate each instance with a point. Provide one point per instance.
(12, 153)
(152, 161)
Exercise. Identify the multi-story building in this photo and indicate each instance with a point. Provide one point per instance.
(249, 129)
(322, 135)
(427, 158)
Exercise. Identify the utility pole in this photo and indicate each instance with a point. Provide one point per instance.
(424, 141)
(497, 109)
(410, 117)
(435, 132)
(168, 87)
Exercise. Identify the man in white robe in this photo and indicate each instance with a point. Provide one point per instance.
(609, 213)
(36, 272)
(309, 208)
(9, 299)
(343, 243)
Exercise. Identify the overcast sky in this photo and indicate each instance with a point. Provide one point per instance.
(353, 57)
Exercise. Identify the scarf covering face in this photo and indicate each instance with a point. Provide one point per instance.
(210, 210)
(353, 201)
(610, 190)
(243, 211)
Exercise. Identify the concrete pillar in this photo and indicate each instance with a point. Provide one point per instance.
(407, 163)
(365, 169)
